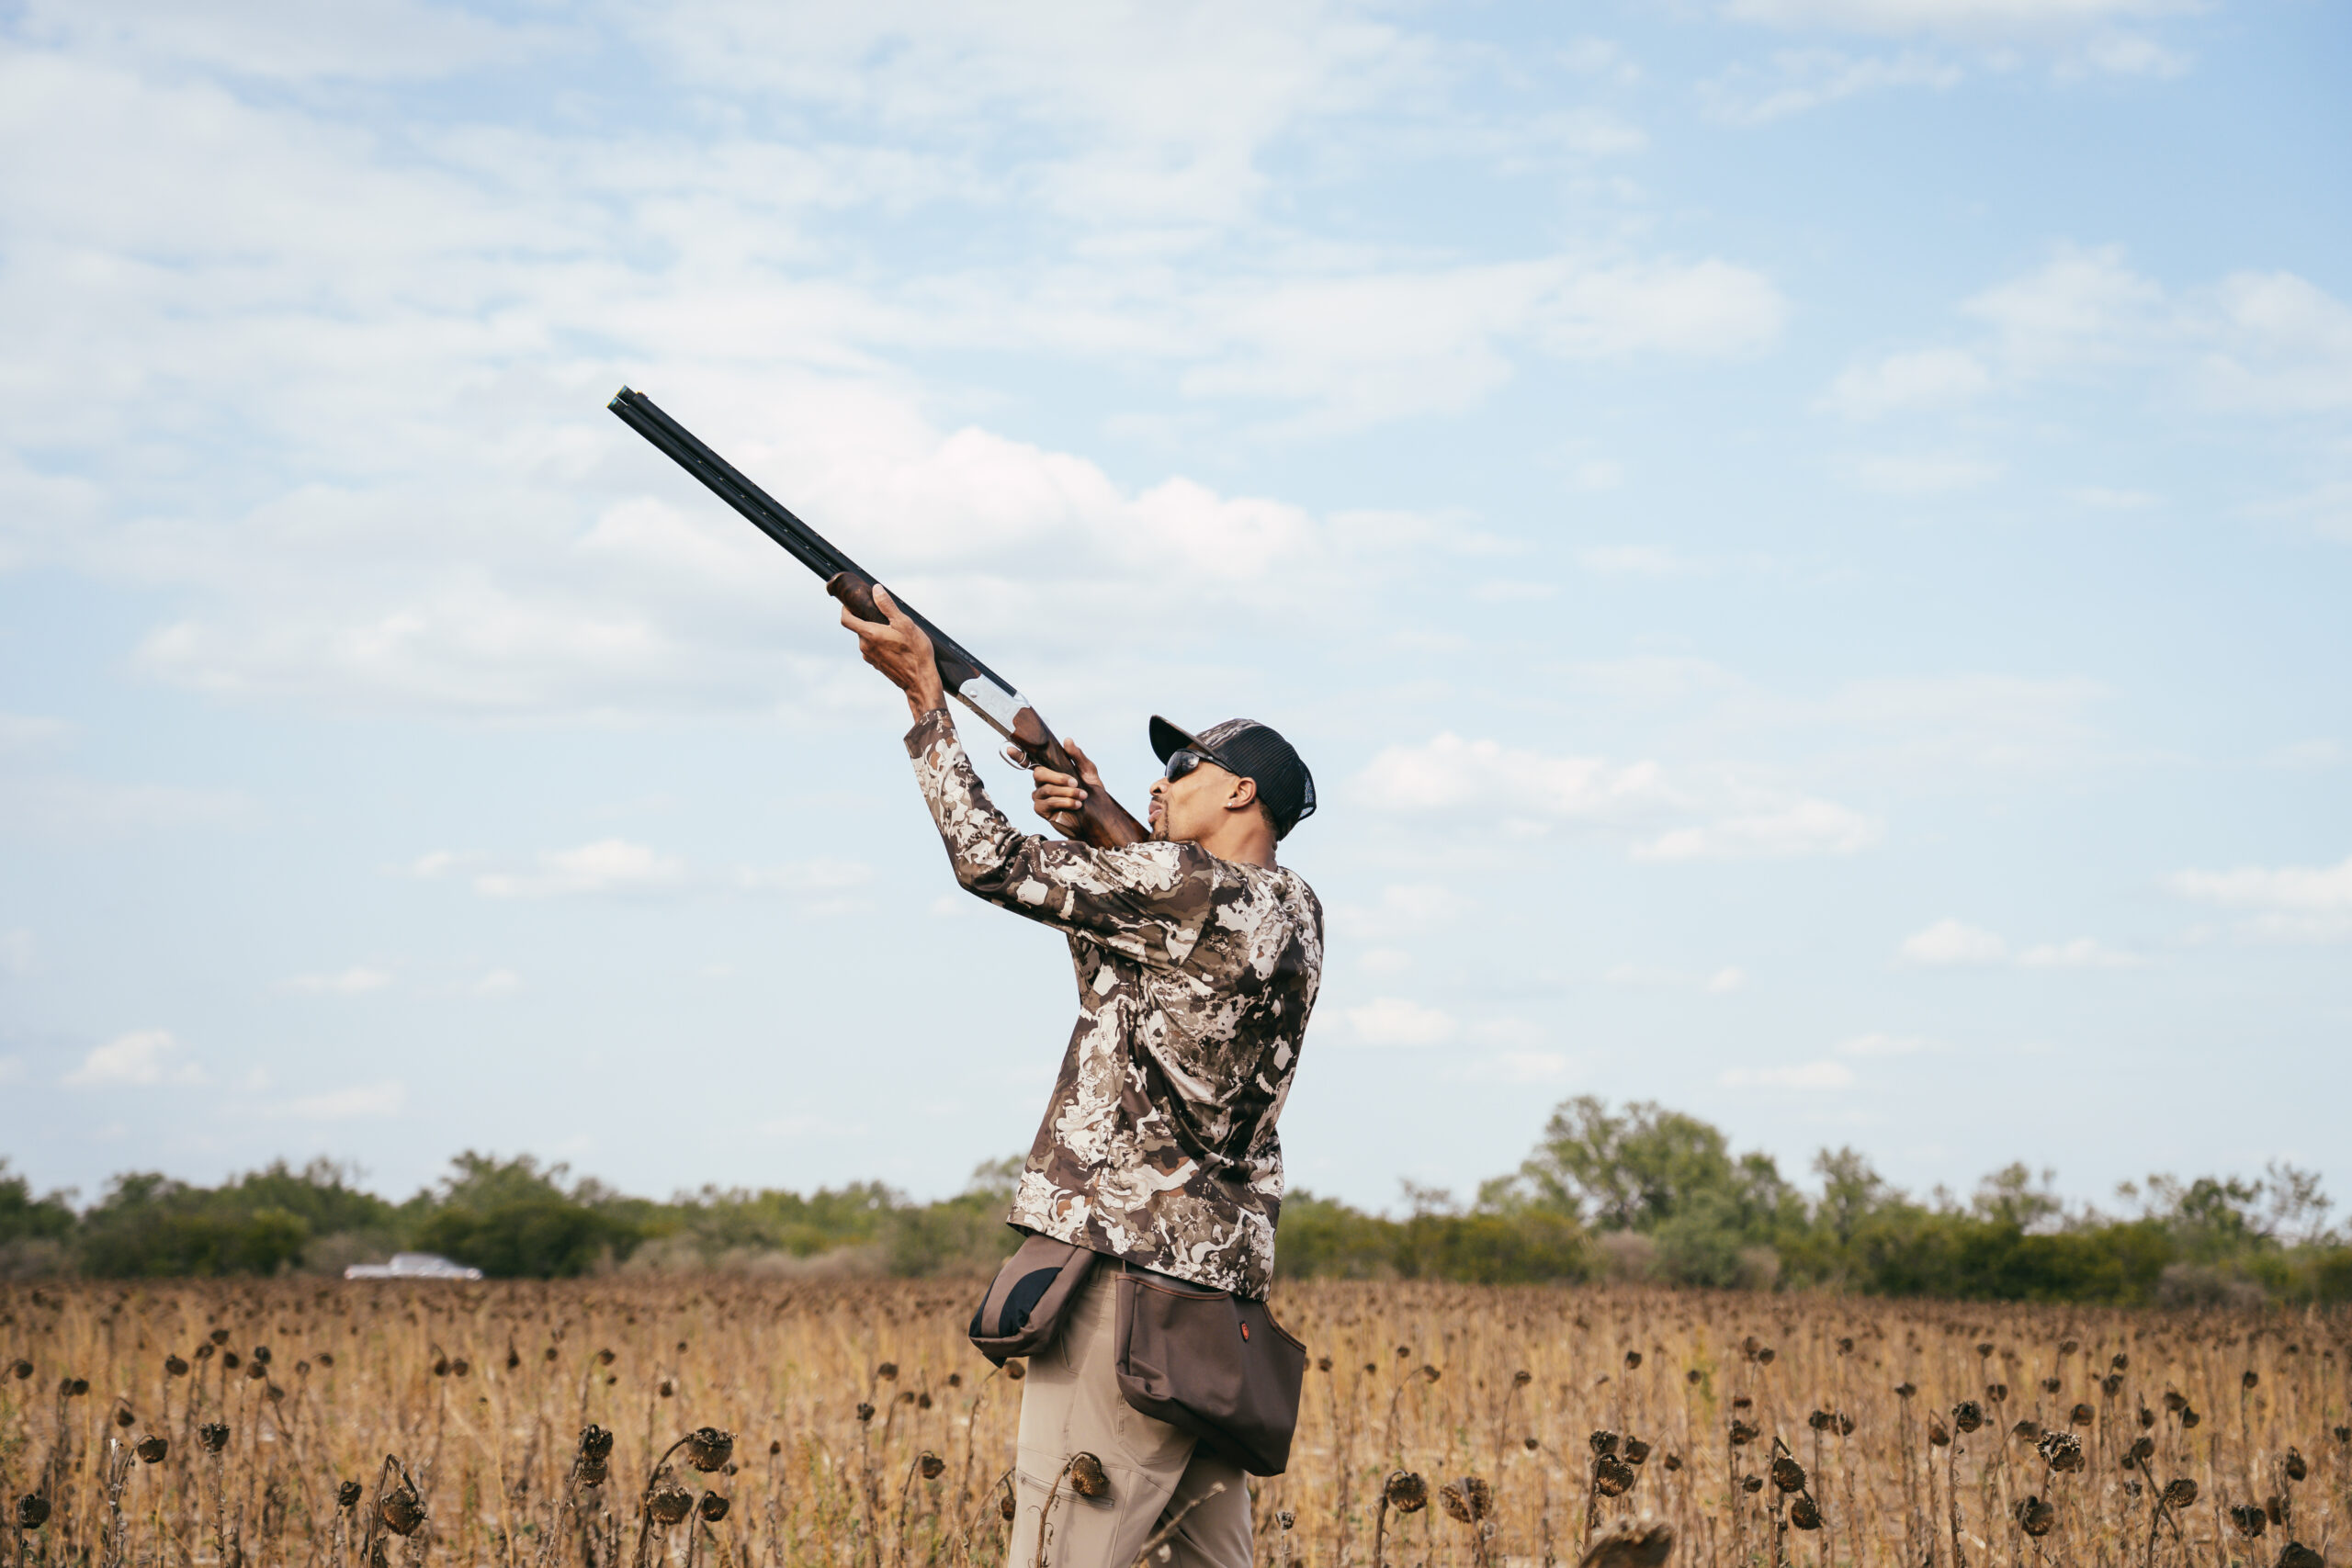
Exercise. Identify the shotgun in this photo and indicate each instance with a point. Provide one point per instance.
(1103, 822)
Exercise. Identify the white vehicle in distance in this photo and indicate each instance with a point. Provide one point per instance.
(412, 1266)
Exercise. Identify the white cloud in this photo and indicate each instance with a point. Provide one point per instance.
(1888, 1045)
(813, 877)
(1528, 790)
(1448, 773)
(68, 804)
(1402, 909)
(1363, 349)
(2082, 306)
(361, 1102)
(608, 866)
(22, 733)
(1802, 1075)
(1719, 983)
(1974, 19)
(1525, 1066)
(2077, 38)
(1799, 79)
(351, 982)
(1948, 944)
(2279, 344)
(1920, 473)
(2260, 343)
(15, 952)
(330, 278)
(1639, 561)
(497, 983)
(140, 1059)
(1797, 828)
(2291, 903)
(372, 41)
(1923, 378)
(2083, 953)
(2128, 54)
(1393, 1020)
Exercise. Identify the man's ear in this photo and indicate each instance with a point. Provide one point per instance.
(1242, 796)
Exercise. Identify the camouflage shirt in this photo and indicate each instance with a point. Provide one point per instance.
(1195, 976)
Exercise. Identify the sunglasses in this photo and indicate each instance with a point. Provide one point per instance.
(1181, 763)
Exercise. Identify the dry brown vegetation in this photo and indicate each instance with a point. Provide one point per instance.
(229, 1425)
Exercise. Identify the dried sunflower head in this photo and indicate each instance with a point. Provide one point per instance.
(1646, 1545)
(669, 1502)
(708, 1448)
(401, 1509)
(1468, 1500)
(1087, 1477)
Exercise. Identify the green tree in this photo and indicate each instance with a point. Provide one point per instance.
(514, 1219)
(24, 1217)
(149, 1226)
(1851, 1191)
(1629, 1172)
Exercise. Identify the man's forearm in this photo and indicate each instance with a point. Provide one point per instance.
(923, 699)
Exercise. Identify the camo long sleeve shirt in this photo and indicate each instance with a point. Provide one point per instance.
(1195, 976)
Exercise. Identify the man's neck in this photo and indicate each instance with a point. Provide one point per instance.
(1244, 846)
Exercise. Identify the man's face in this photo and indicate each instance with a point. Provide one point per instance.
(1187, 809)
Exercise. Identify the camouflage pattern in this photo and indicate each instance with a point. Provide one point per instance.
(1195, 976)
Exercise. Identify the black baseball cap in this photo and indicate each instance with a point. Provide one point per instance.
(1248, 750)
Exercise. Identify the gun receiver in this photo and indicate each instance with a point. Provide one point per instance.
(1104, 823)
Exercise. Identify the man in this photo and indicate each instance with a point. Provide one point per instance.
(1197, 961)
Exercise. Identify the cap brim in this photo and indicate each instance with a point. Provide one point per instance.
(1167, 739)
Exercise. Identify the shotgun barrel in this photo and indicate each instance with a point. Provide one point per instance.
(998, 703)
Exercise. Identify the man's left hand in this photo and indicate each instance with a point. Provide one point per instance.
(901, 651)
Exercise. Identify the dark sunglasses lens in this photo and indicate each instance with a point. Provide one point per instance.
(1180, 763)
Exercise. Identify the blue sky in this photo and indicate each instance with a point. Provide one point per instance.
(1806, 542)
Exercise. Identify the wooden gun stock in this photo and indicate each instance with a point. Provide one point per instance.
(1103, 822)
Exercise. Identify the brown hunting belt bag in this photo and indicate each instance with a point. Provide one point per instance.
(1205, 1361)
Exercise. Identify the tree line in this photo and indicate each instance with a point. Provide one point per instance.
(1636, 1194)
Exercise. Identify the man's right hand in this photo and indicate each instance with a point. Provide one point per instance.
(1057, 797)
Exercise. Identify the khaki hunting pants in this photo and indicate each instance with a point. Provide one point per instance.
(1070, 1403)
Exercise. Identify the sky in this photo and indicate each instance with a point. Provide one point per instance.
(1806, 541)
